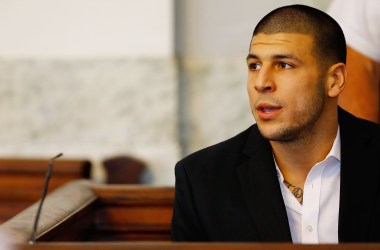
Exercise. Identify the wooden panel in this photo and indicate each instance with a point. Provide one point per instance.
(81, 215)
(8, 209)
(23, 165)
(68, 214)
(84, 211)
(22, 180)
(28, 187)
(76, 227)
(133, 212)
(194, 246)
(134, 194)
(134, 217)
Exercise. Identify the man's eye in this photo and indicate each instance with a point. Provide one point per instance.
(283, 65)
(254, 66)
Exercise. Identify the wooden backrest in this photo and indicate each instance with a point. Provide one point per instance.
(124, 169)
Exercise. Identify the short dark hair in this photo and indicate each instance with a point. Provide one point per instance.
(329, 41)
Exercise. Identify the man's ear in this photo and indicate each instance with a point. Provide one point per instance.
(336, 79)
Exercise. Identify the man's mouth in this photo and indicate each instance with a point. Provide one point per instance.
(267, 108)
(268, 111)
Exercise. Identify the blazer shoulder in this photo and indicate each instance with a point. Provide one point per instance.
(221, 152)
(363, 128)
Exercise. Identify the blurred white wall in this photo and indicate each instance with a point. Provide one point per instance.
(110, 28)
(223, 27)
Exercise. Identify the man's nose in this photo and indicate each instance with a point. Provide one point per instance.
(264, 82)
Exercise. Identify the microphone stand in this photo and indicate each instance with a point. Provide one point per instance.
(44, 191)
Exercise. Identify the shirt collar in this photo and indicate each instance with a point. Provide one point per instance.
(334, 152)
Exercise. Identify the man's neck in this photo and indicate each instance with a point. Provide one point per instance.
(295, 159)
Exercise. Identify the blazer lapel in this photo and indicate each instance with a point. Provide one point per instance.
(359, 180)
(260, 187)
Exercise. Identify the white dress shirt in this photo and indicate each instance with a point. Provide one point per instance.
(316, 220)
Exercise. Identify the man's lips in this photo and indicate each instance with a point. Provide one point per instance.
(268, 111)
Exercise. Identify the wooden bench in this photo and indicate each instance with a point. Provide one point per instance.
(84, 211)
(22, 180)
(82, 216)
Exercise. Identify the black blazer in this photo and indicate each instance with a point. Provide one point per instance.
(230, 191)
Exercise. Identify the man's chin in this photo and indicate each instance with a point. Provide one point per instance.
(277, 135)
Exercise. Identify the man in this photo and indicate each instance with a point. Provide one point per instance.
(307, 171)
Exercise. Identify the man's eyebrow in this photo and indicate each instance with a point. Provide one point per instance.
(252, 56)
(275, 57)
(285, 56)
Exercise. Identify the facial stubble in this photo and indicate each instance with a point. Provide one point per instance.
(302, 122)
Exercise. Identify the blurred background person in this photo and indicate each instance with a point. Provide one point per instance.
(359, 20)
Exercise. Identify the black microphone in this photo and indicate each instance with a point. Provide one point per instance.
(44, 191)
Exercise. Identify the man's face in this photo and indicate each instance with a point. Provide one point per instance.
(286, 89)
